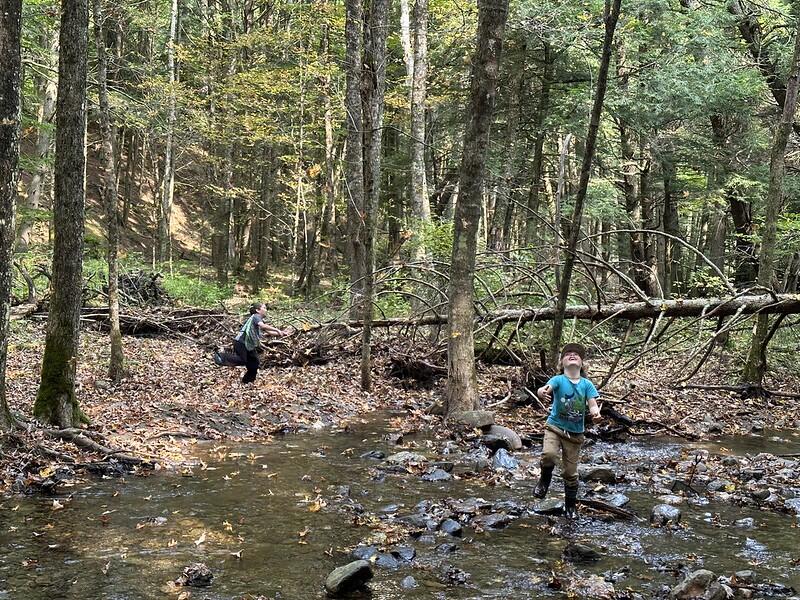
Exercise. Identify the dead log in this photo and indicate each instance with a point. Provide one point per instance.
(694, 307)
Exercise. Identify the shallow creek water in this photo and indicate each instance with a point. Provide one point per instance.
(127, 538)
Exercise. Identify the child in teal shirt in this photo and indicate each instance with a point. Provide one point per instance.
(571, 394)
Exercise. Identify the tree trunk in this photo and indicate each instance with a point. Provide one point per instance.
(10, 69)
(611, 15)
(56, 401)
(354, 171)
(116, 365)
(164, 248)
(672, 251)
(537, 171)
(756, 365)
(374, 89)
(47, 95)
(462, 388)
(419, 187)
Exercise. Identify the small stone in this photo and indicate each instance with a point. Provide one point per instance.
(446, 548)
(752, 474)
(437, 475)
(405, 457)
(793, 504)
(390, 508)
(451, 527)
(760, 495)
(475, 419)
(408, 583)
(196, 575)
(730, 461)
(416, 521)
(387, 561)
(746, 577)
(715, 427)
(700, 584)
(493, 521)
(511, 436)
(746, 523)
(671, 499)
(618, 500)
(364, 552)
(663, 514)
(404, 553)
(720, 485)
(550, 506)
(374, 455)
(348, 577)
(503, 460)
(444, 465)
(601, 473)
(578, 553)
(495, 442)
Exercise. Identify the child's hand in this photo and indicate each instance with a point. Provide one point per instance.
(596, 416)
(545, 393)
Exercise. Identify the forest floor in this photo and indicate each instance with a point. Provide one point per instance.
(174, 396)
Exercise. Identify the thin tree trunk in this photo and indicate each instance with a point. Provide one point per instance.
(116, 365)
(374, 87)
(462, 387)
(419, 187)
(168, 186)
(611, 16)
(10, 69)
(672, 251)
(537, 170)
(756, 366)
(56, 401)
(354, 171)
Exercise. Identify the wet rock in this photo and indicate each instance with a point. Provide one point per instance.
(348, 577)
(671, 499)
(760, 495)
(387, 561)
(470, 506)
(417, 521)
(746, 523)
(730, 461)
(745, 577)
(509, 507)
(394, 438)
(793, 504)
(663, 514)
(446, 548)
(475, 419)
(618, 500)
(678, 485)
(404, 553)
(550, 506)
(495, 442)
(718, 485)
(752, 474)
(601, 473)
(437, 475)
(196, 575)
(454, 576)
(581, 553)
(408, 583)
(449, 447)
(715, 427)
(503, 460)
(451, 527)
(511, 436)
(593, 586)
(390, 508)
(364, 552)
(405, 457)
(757, 426)
(493, 521)
(374, 455)
(474, 461)
(343, 491)
(700, 584)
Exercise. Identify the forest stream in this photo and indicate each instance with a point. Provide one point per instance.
(274, 520)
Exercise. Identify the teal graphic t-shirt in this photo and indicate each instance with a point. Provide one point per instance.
(570, 401)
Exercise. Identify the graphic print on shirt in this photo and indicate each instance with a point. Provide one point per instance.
(572, 407)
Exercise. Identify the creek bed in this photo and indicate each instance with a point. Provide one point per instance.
(263, 518)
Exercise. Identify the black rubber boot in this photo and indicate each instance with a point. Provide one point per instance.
(540, 491)
(571, 501)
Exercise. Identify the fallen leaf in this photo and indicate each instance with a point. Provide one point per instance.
(57, 505)
(201, 539)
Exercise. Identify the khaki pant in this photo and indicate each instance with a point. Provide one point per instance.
(570, 447)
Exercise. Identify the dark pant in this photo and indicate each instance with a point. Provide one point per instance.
(242, 357)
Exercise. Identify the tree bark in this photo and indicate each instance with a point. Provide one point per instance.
(537, 171)
(672, 251)
(374, 88)
(611, 16)
(56, 401)
(419, 187)
(462, 388)
(354, 171)
(756, 365)
(164, 249)
(116, 365)
(10, 69)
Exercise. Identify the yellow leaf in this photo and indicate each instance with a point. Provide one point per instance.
(57, 505)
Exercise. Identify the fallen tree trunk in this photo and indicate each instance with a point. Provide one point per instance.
(695, 307)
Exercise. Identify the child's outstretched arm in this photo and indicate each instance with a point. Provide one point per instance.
(594, 410)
